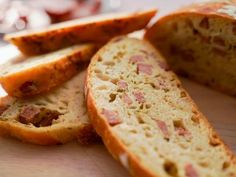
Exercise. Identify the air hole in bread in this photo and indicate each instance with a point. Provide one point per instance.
(183, 145)
(134, 131)
(153, 85)
(146, 127)
(103, 77)
(62, 108)
(214, 140)
(140, 119)
(141, 106)
(40, 104)
(148, 106)
(114, 81)
(99, 59)
(109, 63)
(225, 165)
(49, 100)
(65, 102)
(183, 94)
(203, 164)
(97, 71)
(112, 97)
(102, 87)
(180, 128)
(198, 149)
(170, 168)
(133, 107)
(148, 134)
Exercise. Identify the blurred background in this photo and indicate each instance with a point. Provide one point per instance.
(18, 15)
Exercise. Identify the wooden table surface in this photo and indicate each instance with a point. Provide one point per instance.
(19, 159)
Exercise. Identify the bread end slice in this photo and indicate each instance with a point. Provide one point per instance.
(92, 29)
(198, 41)
(24, 77)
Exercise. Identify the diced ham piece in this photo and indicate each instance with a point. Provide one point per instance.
(190, 171)
(39, 117)
(126, 99)
(182, 131)
(144, 51)
(164, 65)
(163, 127)
(112, 117)
(139, 96)
(29, 114)
(122, 84)
(136, 59)
(144, 68)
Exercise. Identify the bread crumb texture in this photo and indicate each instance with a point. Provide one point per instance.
(200, 45)
(145, 107)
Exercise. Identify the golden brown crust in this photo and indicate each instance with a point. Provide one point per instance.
(44, 77)
(26, 135)
(114, 144)
(47, 136)
(46, 41)
(201, 9)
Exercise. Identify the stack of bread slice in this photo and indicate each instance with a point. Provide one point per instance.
(129, 96)
(45, 103)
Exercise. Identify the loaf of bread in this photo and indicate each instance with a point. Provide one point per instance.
(97, 29)
(146, 119)
(53, 118)
(199, 42)
(27, 76)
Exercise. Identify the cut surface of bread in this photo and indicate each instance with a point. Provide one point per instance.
(53, 118)
(199, 42)
(97, 29)
(27, 76)
(146, 119)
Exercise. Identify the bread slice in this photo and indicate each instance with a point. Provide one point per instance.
(23, 76)
(146, 119)
(53, 118)
(97, 29)
(199, 42)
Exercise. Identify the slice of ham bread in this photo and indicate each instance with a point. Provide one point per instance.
(99, 28)
(53, 118)
(27, 76)
(199, 42)
(146, 119)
